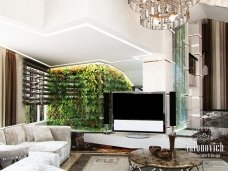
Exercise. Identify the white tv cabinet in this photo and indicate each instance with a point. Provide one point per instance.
(122, 140)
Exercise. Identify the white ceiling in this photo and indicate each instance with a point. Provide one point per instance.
(220, 3)
(83, 36)
(77, 45)
(83, 44)
(202, 11)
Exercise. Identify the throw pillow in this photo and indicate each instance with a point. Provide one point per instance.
(42, 133)
(14, 134)
(28, 133)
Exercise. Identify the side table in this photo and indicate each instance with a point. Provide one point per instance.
(10, 154)
(184, 161)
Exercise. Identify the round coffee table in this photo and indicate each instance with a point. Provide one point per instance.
(184, 160)
(11, 154)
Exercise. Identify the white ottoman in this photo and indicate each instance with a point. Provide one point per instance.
(46, 158)
(9, 154)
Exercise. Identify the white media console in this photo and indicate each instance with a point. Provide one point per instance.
(127, 141)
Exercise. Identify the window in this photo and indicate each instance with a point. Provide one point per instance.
(35, 90)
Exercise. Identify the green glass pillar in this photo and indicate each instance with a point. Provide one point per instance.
(180, 57)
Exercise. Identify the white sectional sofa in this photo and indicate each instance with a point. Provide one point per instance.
(48, 146)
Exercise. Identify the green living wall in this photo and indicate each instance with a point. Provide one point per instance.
(77, 94)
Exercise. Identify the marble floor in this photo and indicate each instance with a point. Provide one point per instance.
(210, 164)
(194, 125)
(71, 160)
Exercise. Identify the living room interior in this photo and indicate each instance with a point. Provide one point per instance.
(102, 84)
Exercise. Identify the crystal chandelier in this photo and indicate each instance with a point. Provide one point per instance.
(162, 14)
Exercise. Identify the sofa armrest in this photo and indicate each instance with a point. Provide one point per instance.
(61, 133)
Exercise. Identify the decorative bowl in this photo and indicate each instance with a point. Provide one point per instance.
(154, 149)
(164, 154)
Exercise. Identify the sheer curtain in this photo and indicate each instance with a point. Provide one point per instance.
(215, 84)
(219, 65)
(223, 31)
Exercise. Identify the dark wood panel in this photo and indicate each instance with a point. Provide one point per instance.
(207, 82)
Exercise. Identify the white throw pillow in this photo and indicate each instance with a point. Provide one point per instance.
(42, 133)
(28, 133)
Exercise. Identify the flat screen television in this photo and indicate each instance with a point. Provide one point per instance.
(138, 112)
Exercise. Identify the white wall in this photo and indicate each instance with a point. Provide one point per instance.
(154, 76)
(158, 71)
(135, 74)
(158, 76)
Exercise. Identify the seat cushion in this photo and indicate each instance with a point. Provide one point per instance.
(12, 151)
(45, 158)
(27, 144)
(37, 161)
(32, 167)
(49, 168)
(62, 148)
(8, 153)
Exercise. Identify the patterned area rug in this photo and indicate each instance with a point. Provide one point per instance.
(106, 162)
(208, 163)
(100, 162)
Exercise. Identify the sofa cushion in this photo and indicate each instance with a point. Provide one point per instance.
(27, 144)
(49, 168)
(37, 161)
(32, 167)
(14, 135)
(12, 151)
(2, 137)
(62, 148)
(45, 158)
(42, 133)
(28, 133)
(9, 153)
(61, 133)
(23, 166)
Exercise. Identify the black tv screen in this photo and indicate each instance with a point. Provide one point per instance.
(138, 112)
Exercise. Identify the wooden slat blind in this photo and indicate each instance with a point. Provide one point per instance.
(35, 85)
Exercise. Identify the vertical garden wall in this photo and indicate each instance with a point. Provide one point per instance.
(77, 94)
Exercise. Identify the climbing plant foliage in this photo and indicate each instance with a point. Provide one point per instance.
(77, 94)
